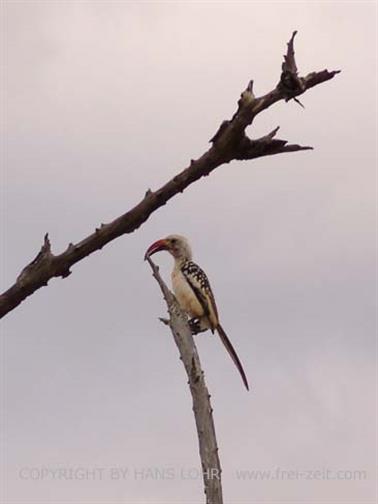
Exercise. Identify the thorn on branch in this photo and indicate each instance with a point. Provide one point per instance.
(273, 133)
(219, 132)
(290, 83)
(299, 103)
(148, 193)
(295, 148)
(265, 146)
(165, 321)
(247, 97)
(289, 64)
(45, 249)
(314, 78)
(66, 273)
(43, 258)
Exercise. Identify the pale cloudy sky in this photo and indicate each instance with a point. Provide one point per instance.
(106, 99)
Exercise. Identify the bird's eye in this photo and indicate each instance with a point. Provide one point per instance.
(173, 241)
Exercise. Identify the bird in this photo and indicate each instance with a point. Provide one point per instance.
(193, 292)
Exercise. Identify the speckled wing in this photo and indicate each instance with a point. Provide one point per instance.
(200, 285)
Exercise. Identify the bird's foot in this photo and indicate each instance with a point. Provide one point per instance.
(196, 326)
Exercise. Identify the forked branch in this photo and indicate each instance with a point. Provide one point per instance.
(230, 142)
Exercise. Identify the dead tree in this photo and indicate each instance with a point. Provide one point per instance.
(230, 142)
(203, 412)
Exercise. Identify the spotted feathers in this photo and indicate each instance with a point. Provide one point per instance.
(199, 283)
(190, 269)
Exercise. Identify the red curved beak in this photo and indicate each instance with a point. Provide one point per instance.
(156, 247)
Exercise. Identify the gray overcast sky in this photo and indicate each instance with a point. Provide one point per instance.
(106, 99)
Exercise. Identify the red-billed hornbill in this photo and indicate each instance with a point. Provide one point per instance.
(193, 292)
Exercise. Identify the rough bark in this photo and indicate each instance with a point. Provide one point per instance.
(203, 412)
(230, 142)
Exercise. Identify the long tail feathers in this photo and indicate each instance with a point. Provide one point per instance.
(230, 349)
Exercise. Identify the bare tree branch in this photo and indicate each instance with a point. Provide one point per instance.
(290, 83)
(202, 409)
(265, 146)
(229, 143)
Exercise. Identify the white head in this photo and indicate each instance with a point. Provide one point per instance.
(177, 245)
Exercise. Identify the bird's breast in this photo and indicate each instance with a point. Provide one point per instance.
(185, 296)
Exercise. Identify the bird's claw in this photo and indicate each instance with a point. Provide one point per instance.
(195, 326)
